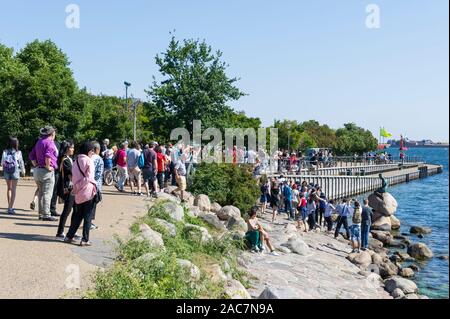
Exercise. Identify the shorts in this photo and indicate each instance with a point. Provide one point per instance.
(134, 175)
(304, 214)
(11, 177)
(355, 233)
(181, 181)
(148, 175)
(264, 198)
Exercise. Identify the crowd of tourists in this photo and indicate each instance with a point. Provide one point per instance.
(76, 180)
(308, 206)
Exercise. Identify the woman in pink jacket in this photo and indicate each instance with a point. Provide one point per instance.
(85, 190)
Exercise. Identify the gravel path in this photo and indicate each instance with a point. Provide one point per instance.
(36, 265)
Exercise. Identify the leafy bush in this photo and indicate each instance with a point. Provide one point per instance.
(227, 184)
(133, 278)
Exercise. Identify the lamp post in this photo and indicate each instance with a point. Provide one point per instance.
(134, 106)
(127, 84)
(289, 137)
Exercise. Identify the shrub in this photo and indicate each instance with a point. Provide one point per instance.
(227, 184)
(159, 277)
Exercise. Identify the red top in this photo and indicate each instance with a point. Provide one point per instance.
(303, 202)
(161, 160)
(121, 155)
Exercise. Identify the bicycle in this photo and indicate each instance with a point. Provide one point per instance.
(110, 176)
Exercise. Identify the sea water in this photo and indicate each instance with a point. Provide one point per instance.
(425, 203)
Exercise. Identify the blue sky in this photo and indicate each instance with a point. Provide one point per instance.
(296, 59)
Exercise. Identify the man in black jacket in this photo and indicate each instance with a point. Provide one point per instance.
(366, 222)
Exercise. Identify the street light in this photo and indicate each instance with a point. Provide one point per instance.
(289, 136)
(134, 107)
(127, 84)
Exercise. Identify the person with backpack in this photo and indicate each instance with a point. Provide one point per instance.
(13, 166)
(85, 192)
(355, 228)
(44, 159)
(134, 171)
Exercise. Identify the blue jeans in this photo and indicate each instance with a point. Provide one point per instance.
(289, 210)
(365, 230)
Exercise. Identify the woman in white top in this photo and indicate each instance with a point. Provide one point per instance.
(13, 166)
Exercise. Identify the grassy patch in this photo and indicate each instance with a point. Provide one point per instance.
(160, 276)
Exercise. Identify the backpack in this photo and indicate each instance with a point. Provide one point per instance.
(357, 217)
(10, 163)
(141, 161)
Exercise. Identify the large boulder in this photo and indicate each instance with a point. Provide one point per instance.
(167, 197)
(170, 189)
(235, 290)
(215, 207)
(362, 259)
(395, 222)
(187, 196)
(384, 236)
(377, 259)
(397, 293)
(404, 256)
(212, 220)
(170, 228)
(237, 223)
(203, 202)
(386, 206)
(387, 269)
(198, 233)
(190, 267)
(383, 223)
(175, 211)
(298, 246)
(226, 212)
(193, 211)
(406, 272)
(215, 274)
(420, 251)
(375, 244)
(152, 237)
(420, 230)
(405, 285)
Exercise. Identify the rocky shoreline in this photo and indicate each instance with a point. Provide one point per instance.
(311, 265)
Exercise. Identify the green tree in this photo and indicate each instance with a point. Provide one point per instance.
(40, 90)
(353, 139)
(195, 86)
(322, 135)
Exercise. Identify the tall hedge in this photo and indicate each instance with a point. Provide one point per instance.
(227, 184)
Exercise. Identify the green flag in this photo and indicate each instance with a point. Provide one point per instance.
(385, 133)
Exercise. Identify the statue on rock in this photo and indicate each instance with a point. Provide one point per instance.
(380, 191)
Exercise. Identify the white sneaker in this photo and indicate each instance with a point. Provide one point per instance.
(274, 253)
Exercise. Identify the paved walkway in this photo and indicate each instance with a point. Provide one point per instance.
(36, 265)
